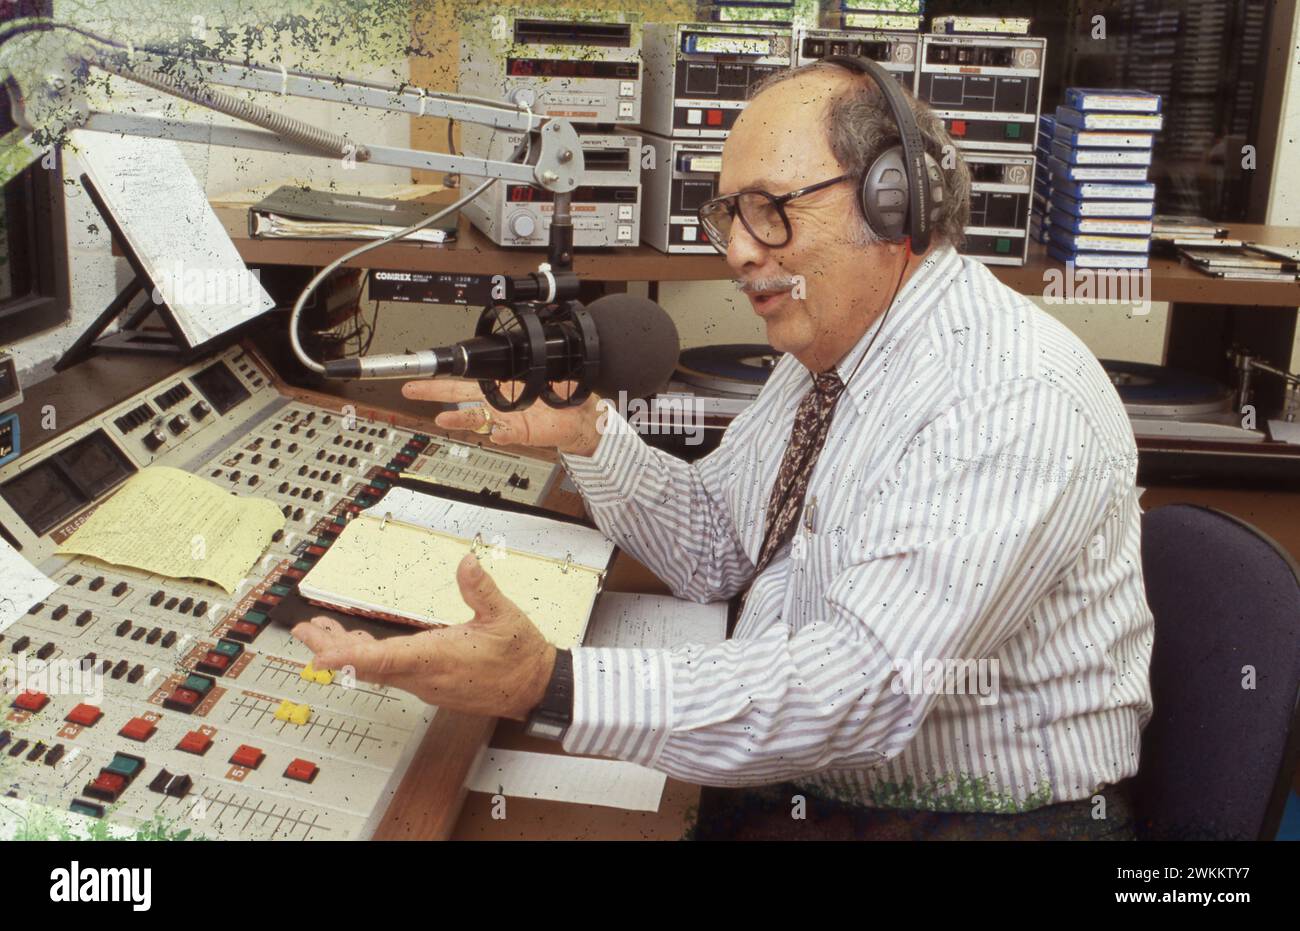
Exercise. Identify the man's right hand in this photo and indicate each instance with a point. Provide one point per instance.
(571, 430)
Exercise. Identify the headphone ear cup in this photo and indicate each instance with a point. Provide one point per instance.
(884, 195)
(937, 190)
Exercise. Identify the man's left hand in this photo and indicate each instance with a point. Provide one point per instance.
(497, 664)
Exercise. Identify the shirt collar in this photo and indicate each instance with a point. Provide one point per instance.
(914, 299)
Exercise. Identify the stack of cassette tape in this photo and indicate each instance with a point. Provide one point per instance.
(1093, 197)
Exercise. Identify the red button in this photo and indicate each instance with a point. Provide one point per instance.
(31, 701)
(195, 742)
(213, 658)
(245, 628)
(301, 770)
(247, 757)
(958, 128)
(85, 715)
(138, 729)
(713, 117)
(185, 698)
(107, 786)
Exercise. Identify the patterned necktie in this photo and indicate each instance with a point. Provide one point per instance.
(811, 424)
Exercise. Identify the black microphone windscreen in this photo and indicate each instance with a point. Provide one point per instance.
(639, 345)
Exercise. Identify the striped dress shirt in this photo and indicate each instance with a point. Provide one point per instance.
(960, 622)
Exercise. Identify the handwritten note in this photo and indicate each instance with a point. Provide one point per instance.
(175, 524)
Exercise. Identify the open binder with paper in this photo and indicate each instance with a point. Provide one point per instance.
(397, 560)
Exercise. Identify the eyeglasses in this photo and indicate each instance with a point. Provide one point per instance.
(763, 214)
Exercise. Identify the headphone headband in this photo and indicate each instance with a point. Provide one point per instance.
(914, 156)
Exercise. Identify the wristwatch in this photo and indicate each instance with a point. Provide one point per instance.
(553, 715)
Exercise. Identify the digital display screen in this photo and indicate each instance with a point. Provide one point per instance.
(583, 194)
(693, 194)
(570, 68)
(220, 387)
(42, 497)
(52, 490)
(95, 464)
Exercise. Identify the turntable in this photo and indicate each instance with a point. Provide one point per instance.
(1165, 402)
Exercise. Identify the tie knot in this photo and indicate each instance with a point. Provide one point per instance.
(828, 384)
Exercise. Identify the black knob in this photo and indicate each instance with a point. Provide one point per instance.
(200, 410)
(154, 440)
(179, 424)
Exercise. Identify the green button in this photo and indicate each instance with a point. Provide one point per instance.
(1013, 130)
(86, 808)
(228, 648)
(303, 565)
(320, 541)
(362, 501)
(255, 617)
(125, 766)
(1003, 245)
(197, 683)
(281, 590)
(381, 483)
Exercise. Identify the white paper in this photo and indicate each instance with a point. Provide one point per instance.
(526, 533)
(653, 622)
(1284, 431)
(576, 779)
(165, 216)
(21, 585)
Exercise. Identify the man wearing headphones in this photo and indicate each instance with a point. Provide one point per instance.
(927, 523)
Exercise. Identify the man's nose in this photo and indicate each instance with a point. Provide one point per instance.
(743, 249)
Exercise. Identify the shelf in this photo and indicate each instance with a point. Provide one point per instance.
(473, 253)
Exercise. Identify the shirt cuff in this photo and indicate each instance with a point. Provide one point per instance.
(622, 704)
(613, 470)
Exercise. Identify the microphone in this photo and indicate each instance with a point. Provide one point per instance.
(619, 343)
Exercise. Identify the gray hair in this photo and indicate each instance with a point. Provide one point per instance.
(860, 126)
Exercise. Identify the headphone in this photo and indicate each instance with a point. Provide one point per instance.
(901, 193)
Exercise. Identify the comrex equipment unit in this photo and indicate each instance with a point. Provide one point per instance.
(606, 206)
(11, 395)
(585, 67)
(896, 52)
(988, 90)
(685, 176)
(698, 75)
(1001, 194)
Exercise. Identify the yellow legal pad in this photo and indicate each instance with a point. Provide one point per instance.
(172, 523)
(405, 570)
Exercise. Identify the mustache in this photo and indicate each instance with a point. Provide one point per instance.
(755, 285)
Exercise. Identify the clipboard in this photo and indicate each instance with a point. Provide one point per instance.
(397, 562)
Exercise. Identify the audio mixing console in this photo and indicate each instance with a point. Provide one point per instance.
(194, 710)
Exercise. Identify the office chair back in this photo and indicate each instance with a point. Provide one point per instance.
(1220, 750)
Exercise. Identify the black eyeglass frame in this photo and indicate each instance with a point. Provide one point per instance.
(777, 200)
